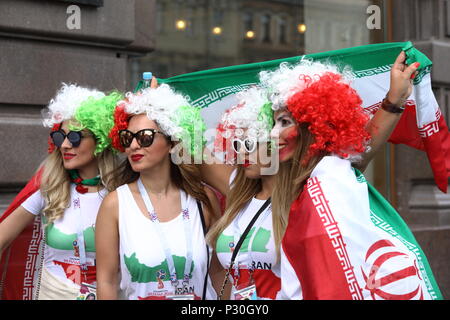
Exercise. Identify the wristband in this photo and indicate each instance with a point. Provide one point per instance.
(388, 106)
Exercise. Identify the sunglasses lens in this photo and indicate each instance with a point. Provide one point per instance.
(74, 138)
(249, 145)
(145, 138)
(237, 145)
(126, 137)
(57, 138)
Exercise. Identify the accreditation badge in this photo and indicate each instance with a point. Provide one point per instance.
(245, 292)
(87, 292)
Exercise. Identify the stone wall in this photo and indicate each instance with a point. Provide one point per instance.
(39, 51)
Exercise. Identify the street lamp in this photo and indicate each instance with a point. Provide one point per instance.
(217, 30)
(301, 28)
(180, 24)
(250, 34)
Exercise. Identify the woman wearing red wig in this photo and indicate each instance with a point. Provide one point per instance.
(334, 246)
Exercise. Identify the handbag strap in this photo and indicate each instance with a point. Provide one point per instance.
(239, 244)
(202, 218)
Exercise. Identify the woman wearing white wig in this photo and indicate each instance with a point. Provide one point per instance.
(152, 227)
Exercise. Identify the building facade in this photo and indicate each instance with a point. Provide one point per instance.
(45, 43)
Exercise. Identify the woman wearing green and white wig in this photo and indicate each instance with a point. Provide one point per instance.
(72, 186)
(151, 228)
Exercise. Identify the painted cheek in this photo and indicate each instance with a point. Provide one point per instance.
(290, 136)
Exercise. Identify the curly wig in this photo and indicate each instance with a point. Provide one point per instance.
(96, 115)
(319, 96)
(332, 110)
(170, 110)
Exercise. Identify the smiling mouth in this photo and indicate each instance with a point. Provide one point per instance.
(136, 157)
(68, 156)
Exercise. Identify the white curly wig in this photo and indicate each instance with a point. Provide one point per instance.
(249, 114)
(66, 102)
(161, 104)
(288, 79)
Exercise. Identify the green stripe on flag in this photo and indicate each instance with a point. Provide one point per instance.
(207, 86)
(384, 216)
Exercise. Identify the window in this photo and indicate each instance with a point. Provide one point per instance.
(282, 30)
(160, 14)
(265, 28)
(249, 32)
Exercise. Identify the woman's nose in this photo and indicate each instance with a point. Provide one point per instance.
(66, 144)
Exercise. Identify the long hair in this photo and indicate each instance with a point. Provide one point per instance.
(241, 192)
(55, 183)
(186, 177)
(289, 182)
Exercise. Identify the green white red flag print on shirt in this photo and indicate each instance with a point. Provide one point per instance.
(344, 241)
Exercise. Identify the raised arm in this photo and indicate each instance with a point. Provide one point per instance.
(215, 173)
(107, 248)
(384, 122)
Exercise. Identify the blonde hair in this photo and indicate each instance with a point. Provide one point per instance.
(55, 182)
(291, 177)
(186, 177)
(242, 190)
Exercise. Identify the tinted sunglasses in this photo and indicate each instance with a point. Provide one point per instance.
(143, 137)
(248, 143)
(59, 136)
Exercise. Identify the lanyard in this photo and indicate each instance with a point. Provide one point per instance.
(239, 244)
(80, 234)
(163, 239)
(236, 235)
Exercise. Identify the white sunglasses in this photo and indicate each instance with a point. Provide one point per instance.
(248, 143)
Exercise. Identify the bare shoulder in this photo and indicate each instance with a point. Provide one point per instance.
(111, 199)
(109, 207)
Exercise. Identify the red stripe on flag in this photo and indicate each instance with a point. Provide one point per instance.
(320, 263)
(21, 251)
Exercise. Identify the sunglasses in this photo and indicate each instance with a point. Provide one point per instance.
(59, 136)
(249, 145)
(143, 137)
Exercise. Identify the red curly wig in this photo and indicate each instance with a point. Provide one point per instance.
(121, 119)
(51, 145)
(332, 110)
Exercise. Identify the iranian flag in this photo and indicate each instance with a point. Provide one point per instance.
(344, 241)
(422, 125)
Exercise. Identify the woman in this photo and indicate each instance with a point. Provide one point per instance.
(158, 202)
(336, 245)
(244, 129)
(254, 184)
(72, 187)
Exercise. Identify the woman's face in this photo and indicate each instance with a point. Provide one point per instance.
(142, 158)
(81, 157)
(255, 161)
(285, 132)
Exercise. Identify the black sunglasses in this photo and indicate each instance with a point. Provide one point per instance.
(59, 136)
(248, 143)
(143, 137)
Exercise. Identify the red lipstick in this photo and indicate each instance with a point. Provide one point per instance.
(136, 157)
(68, 156)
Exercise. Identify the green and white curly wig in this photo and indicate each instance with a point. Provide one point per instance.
(170, 110)
(90, 109)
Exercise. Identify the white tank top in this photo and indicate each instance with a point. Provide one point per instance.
(143, 263)
(257, 252)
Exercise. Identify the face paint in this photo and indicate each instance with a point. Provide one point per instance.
(286, 132)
